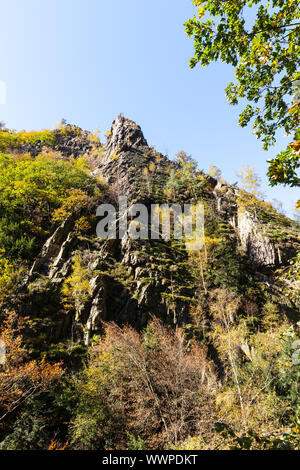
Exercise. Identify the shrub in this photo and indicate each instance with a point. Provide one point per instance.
(30, 190)
(148, 385)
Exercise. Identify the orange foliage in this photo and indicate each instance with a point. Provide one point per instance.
(21, 378)
(56, 446)
(163, 386)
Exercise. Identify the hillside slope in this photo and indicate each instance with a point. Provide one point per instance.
(72, 283)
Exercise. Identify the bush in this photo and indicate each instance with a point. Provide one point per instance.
(147, 385)
(30, 190)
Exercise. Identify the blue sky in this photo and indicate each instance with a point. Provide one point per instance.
(89, 60)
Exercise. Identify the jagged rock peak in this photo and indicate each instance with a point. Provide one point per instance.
(124, 133)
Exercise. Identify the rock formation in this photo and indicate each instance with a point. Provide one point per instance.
(132, 280)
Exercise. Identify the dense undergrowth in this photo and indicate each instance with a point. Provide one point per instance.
(220, 370)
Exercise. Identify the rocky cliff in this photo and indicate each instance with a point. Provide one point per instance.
(130, 280)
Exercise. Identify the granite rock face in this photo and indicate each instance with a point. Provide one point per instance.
(132, 280)
(124, 135)
(257, 246)
(72, 141)
(252, 234)
(126, 154)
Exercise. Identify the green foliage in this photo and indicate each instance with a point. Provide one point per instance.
(290, 280)
(14, 140)
(135, 443)
(283, 168)
(289, 381)
(30, 190)
(183, 182)
(227, 266)
(29, 433)
(147, 385)
(156, 387)
(92, 423)
(265, 53)
(288, 439)
(10, 274)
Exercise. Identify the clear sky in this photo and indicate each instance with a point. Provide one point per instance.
(89, 60)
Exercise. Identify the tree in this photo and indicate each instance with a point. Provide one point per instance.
(214, 172)
(76, 289)
(31, 190)
(250, 195)
(251, 362)
(149, 385)
(266, 55)
(184, 181)
(10, 276)
(20, 377)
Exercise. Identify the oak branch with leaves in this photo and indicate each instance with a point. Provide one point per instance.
(266, 55)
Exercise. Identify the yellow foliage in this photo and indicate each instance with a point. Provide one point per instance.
(250, 196)
(76, 201)
(84, 224)
(214, 172)
(152, 167)
(76, 289)
(21, 378)
(9, 276)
